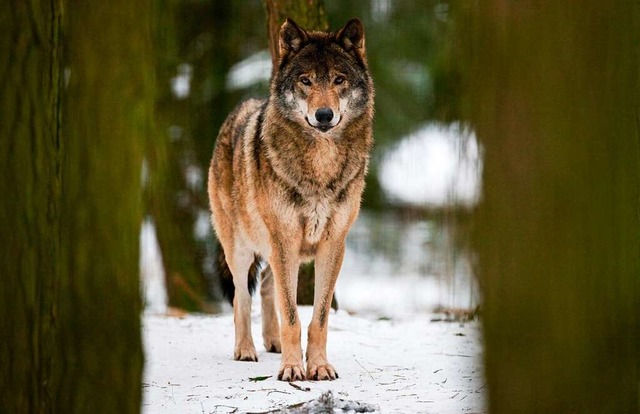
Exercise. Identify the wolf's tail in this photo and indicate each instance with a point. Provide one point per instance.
(222, 271)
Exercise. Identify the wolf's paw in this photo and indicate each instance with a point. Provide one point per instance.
(321, 372)
(272, 344)
(245, 353)
(289, 372)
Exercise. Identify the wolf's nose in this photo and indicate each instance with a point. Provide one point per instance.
(324, 115)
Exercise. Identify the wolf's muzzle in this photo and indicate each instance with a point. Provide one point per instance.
(324, 116)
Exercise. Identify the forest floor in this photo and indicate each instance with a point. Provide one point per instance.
(413, 364)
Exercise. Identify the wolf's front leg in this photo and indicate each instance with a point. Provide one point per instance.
(328, 262)
(284, 265)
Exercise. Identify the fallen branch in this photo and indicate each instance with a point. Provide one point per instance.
(297, 387)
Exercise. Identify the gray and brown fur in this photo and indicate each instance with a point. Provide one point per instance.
(285, 185)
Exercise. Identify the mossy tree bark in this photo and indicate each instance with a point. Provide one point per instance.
(553, 99)
(73, 128)
(30, 162)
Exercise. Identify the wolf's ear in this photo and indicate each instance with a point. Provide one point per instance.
(292, 38)
(351, 37)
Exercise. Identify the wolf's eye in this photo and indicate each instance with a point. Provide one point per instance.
(339, 80)
(305, 81)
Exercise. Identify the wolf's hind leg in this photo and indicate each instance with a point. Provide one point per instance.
(239, 264)
(270, 325)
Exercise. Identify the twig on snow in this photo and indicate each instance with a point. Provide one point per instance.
(366, 370)
(297, 387)
(283, 392)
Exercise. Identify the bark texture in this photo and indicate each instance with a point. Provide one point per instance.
(30, 161)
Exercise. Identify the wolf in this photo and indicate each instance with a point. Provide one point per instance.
(285, 185)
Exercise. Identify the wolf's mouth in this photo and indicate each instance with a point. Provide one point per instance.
(323, 128)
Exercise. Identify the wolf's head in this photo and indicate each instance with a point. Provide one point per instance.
(322, 82)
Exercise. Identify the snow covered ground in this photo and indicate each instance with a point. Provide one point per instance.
(410, 365)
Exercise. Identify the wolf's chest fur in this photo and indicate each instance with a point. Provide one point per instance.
(316, 172)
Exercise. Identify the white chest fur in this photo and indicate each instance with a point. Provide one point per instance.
(316, 215)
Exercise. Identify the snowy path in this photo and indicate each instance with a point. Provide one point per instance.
(402, 366)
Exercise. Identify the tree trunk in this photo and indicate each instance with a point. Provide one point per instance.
(553, 99)
(309, 14)
(30, 158)
(73, 128)
(107, 115)
(187, 128)
(168, 198)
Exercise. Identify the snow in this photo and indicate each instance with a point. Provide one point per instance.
(438, 165)
(152, 276)
(181, 83)
(381, 10)
(410, 365)
(250, 71)
(393, 269)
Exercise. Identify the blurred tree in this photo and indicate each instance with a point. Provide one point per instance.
(552, 95)
(73, 133)
(173, 193)
(198, 42)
